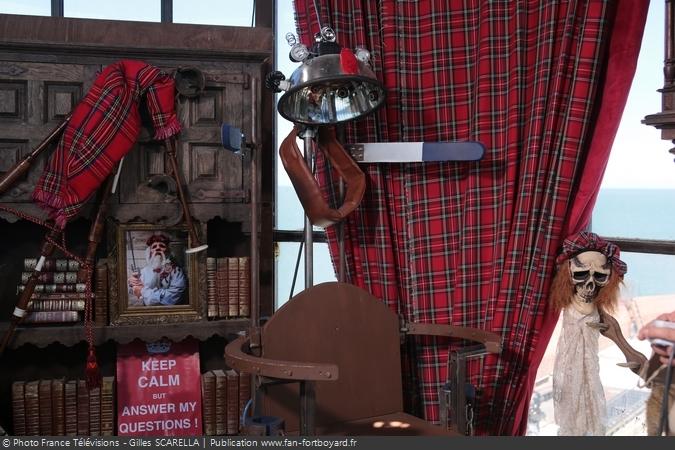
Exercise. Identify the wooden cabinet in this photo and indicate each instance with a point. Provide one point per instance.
(46, 66)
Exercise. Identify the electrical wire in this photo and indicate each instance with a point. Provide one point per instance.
(318, 17)
(297, 261)
(663, 425)
(295, 272)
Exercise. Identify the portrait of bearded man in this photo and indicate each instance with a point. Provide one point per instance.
(161, 281)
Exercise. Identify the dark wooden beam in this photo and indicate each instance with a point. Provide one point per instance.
(167, 11)
(57, 8)
(96, 36)
(652, 246)
(297, 236)
(265, 12)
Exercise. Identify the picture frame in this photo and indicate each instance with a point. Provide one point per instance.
(152, 279)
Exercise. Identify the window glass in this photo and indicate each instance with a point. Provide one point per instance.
(636, 212)
(146, 11)
(635, 201)
(26, 7)
(285, 267)
(289, 211)
(213, 12)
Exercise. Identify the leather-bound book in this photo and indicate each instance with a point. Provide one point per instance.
(233, 287)
(232, 402)
(221, 402)
(108, 406)
(211, 289)
(244, 393)
(32, 407)
(82, 408)
(101, 293)
(95, 411)
(52, 265)
(209, 403)
(45, 401)
(58, 407)
(18, 409)
(52, 317)
(222, 289)
(244, 286)
(70, 398)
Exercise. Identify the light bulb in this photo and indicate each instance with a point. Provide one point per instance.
(298, 53)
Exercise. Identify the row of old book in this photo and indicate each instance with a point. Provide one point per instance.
(60, 295)
(59, 407)
(62, 407)
(228, 283)
(224, 397)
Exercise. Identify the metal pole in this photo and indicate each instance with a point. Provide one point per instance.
(308, 137)
(307, 408)
(255, 210)
(342, 264)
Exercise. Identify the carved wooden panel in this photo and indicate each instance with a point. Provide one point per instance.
(34, 99)
(13, 100)
(211, 173)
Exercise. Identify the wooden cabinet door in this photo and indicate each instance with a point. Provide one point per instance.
(34, 99)
(211, 173)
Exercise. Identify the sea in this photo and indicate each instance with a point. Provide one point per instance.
(643, 214)
(625, 213)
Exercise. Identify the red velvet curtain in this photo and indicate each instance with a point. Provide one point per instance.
(540, 85)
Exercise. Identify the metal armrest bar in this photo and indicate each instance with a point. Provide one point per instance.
(491, 340)
(237, 358)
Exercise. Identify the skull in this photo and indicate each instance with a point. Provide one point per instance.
(590, 272)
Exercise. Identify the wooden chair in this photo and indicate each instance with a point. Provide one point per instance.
(343, 347)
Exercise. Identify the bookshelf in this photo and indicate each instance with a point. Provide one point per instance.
(48, 65)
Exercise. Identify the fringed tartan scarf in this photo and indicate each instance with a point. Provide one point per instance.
(101, 130)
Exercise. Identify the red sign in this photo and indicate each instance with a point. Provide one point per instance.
(159, 389)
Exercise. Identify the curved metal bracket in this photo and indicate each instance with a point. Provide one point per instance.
(491, 340)
(236, 356)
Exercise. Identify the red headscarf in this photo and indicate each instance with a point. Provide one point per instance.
(585, 241)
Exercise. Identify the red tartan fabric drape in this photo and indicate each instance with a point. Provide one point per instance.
(475, 243)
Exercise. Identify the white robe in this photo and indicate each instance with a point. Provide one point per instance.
(578, 398)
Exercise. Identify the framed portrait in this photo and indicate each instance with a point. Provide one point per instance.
(153, 279)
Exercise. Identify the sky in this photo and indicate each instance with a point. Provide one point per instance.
(184, 11)
(639, 158)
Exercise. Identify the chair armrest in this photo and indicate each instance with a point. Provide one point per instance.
(237, 358)
(491, 340)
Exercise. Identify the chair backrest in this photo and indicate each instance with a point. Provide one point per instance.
(342, 324)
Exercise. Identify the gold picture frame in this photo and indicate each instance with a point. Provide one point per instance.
(148, 289)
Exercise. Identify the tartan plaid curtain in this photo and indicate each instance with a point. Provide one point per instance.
(474, 244)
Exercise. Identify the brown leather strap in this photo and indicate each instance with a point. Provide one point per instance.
(305, 184)
(237, 358)
(491, 340)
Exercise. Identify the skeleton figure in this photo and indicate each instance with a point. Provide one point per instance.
(586, 284)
